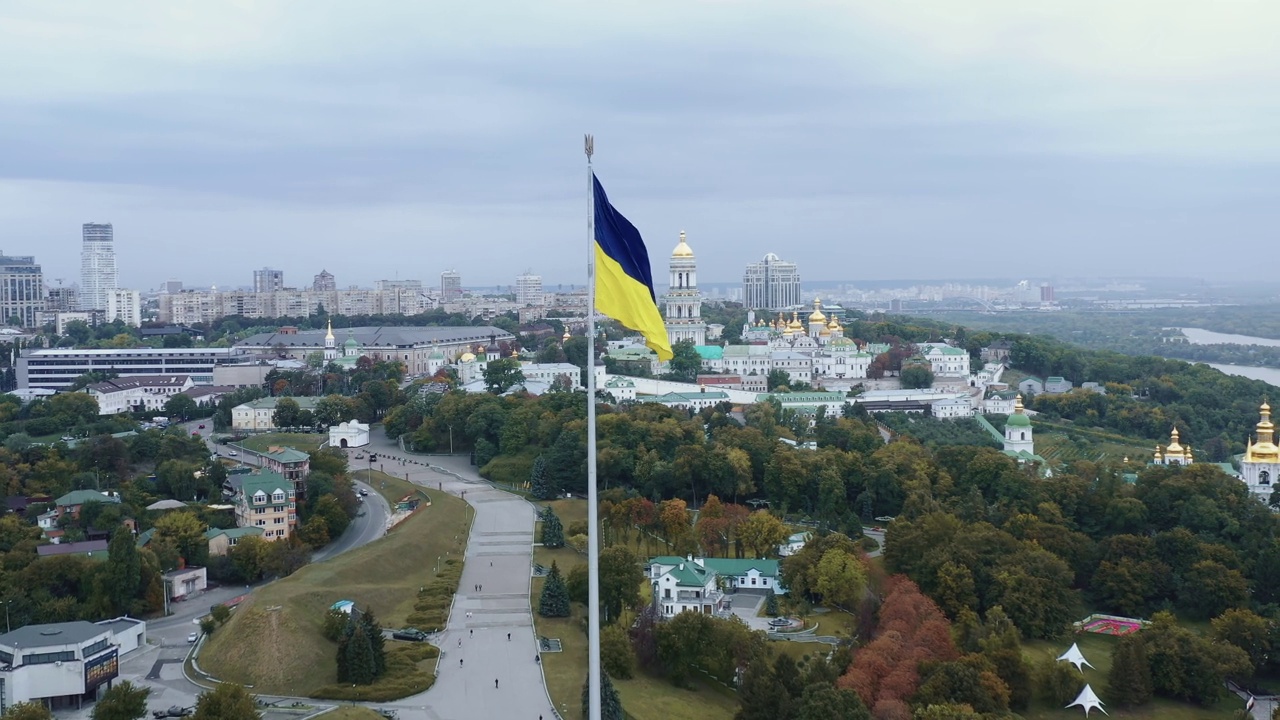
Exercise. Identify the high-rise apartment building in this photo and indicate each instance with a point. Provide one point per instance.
(97, 265)
(21, 290)
(324, 282)
(389, 285)
(450, 285)
(771, 284)
(528, 289)
(268, 280)
(126, 306)
(61, 299)
(171, 286)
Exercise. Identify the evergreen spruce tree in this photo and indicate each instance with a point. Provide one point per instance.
(377, 643)
(762, 696)
(610, 703)
(771, 604)
(552, 530)
(1129, 681)
(555, 595)
(538, 484)
(361, 666)
(344, 668)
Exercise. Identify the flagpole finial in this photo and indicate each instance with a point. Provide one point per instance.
(589, 145)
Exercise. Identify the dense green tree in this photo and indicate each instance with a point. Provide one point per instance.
(554, 601)
(181, 407)
(33, 710)
(682, 642)
(122, 579)
(620, 580)
(685, 363)
(1209, 589)
(822, 701)
(502, 375)
(287, 413)
(616, 656)
(360, 663)
(916, 376)
(1248, 631)
(610, 703)
(227, 701)
(538, 484)
(1129, 680)
(761, 696)
(552, 530)
(377, 643)
(1059, 681)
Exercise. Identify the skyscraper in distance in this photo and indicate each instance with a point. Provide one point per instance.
(97, 266)
(528, 289)
(450, 285)
(324, 282)
(771, 284)
(21, 290)
(268, 280)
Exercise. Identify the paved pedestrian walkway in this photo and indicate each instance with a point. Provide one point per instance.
(492, 603)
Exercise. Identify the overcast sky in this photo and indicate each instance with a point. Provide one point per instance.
(862, 140)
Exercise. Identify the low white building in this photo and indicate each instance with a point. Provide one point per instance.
(186, 582)
(689, 401)
(141, 393)
(64, 665)
(946, 361)
(955, 407)
(349, 434)
(693, 584)
(551, 372)
(257, 415)
(621, 388)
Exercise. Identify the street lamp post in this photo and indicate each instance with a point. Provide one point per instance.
(6, 616)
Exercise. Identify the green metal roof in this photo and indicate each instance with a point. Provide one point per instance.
(266, 481)
(269, 403)
(80, 497)
(288, 455)
(235, 532)
(732, 566)
(1018, 420)
(709, 352)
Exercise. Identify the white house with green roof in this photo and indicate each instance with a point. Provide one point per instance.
(692, 584)
(221, 540)
(946, 361)
(620, 387)
(691, 400)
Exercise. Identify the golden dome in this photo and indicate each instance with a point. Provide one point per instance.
(682, 249)
(1265, 449)
(1175, 448)
(825, 332)
(834, 324)
(565, 337)
(466, 357)
(817, 315)
(795, 323)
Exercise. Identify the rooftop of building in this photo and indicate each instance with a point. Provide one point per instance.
(235, 532)
(709, 352)
(379, 336)
(134, 382)
(269, 403)
(286, 455)
(80, 497)
(264, 480)
(129, 352)
(86, 547)
(49, 634)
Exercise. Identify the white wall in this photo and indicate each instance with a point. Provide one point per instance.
(653, 386)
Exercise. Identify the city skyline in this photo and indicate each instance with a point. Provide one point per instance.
(833, 135)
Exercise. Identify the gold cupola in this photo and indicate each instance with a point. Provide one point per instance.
(682, 248)
(1264, 449)
(1176, 453)
(816, 316)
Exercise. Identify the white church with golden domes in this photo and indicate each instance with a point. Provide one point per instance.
(682, 305)
(1260, 466)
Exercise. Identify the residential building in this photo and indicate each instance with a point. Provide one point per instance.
(93, 549)
(693, 584)
(528, 289)
(185, 581)
(97, 265)
(411, 346)
(61, 299)
(125, 306)
(208, 394)
(551, 372)
(72, 502)
(1056, 385)
(689, 401)
(324, 282)
(63, 665)
(143, 393)
(22, 294)
(389, 285)
(621, 388)
(256, 415)
(171, 286)
(266, 500)
(950, 408)
(1031, 386)
(221, 540)
(450, 285)
(292, 464)
(268, 280)
(997, 352)
(682, 305)
(771, 284)
(349, 434)
(57, 368)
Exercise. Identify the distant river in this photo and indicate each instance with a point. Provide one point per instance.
(1198, 336)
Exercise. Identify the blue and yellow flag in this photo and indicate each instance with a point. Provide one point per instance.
(624, 282)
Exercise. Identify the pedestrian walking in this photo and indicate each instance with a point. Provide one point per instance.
(508, 637)
(473, 633)
(459, 642)
(495, 683)
(459, 662)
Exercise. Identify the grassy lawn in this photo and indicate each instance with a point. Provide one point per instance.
(306, 442)
(1057, 447)
(1097, 650)
(273, 641)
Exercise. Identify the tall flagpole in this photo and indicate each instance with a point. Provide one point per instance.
(593, 520)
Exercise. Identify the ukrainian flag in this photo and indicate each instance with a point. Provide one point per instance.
(624, 282)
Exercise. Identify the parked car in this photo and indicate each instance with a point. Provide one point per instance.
(201, 426)
(193, 637)
(233, 453)
(359, 456)
(364, 492)
(175, 711)
(409, 634)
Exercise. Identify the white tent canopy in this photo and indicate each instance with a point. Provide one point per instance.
(1088, 700)
(1075, 657)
